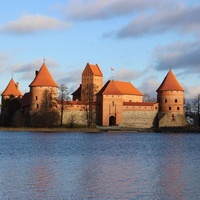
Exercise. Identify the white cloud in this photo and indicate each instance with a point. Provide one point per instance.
(125, 74)
(192, 92)
(32, 66)
(149, 86)
(179, 17)
(72, 82)
(180, 55)
(104, 9)
(33, 23)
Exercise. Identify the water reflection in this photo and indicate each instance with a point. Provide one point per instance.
(171, 181)
(99, 166)
(42, 178)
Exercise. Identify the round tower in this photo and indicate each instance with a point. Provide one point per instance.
(170, 96)
(43, 81)
(12, 89)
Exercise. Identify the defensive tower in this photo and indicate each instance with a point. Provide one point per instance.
(91, 75)
(170, 96)
(42, 81)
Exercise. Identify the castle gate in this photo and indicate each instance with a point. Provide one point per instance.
(112, 121)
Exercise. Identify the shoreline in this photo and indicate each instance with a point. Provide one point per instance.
(190, 129)
(25, 129)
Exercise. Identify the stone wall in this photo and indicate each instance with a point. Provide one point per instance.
(139, 119)
(171, 120)
(78, 117)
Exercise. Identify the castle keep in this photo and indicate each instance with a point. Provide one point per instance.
(118, 103)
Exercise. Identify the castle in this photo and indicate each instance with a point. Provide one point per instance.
(118, 103)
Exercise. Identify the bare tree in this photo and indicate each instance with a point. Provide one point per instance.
(72, 120)
(47, 116)
(196, 106)
(48, 102)
(187, 107)
(89, 99)
(63, 97)
(147, 98)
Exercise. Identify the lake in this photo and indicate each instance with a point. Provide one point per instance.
(152, 166)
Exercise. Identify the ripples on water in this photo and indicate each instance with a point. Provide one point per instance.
(99, 166)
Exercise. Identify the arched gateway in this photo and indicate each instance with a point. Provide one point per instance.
(112, 121)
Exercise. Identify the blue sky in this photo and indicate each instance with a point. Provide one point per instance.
(140, 39)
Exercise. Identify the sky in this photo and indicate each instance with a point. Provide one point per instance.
(140, 39)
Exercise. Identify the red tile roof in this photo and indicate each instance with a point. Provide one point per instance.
(127, 88)
(43, 78)
(12, 89)
(94, 69)
(113, 87)
(110, 89)
(170, 83)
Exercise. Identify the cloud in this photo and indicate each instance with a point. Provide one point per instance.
(180, 55)
(126, 75)
(26, 72)
(32, 23)
(104, 9)
(149, 86)
(32, 66)
(4, 59)
(191, 92)
(172, 17)
(72, 82)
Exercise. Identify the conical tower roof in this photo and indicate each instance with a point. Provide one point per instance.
(43, 78)
(12, 89)
(170, 83)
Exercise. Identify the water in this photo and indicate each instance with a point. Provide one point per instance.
(58, 166)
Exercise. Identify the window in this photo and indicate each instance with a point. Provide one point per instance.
(36, 98)
(113, 103)
(169, 108)
(37, 105)
(165, 100)
(178, 108)
(176, 100)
